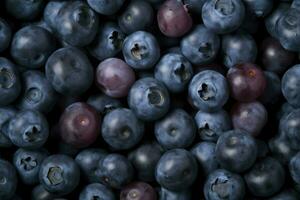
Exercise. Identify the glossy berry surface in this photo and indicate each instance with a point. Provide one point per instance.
(205, 154)
(246, 81)
(265, 178)
(250, 117)
(114, 77)
(137, 16)
(88, 160)
(115, 171)
(172, 135)
(144, 159)
(173, 18)
(138, 191)
(121, 129)
(31, 46)
(69, 71)
(236, 151)
(149, 99)
(79, 125)
(176, 170)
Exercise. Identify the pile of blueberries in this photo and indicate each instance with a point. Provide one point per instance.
(150, 99)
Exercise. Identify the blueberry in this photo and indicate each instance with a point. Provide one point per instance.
(109, 37)
(37, 93)
(281, 149)
(121, 129)
(79, 125)
(69, 71)
(31, 46)
(144, 159)
(103, 104)
(5, 35)
(175, 71)
(10, 84)
(149, 99)
(105, 7)
(165, 194)
(138, 191)
(137, 16)
(176, 170)
(288, 29)
(6, 113)
(8, 184)
(59, 174)
(247, 82)
(88, 160)
(239, 47)
(212, 124)
(272, 19)
(223, 16)
(96, 191)
(289, 127)
(176, 130)
(290, 86)
(250, 117)
(28, 129)
(51, 11)
(173, 18)
(24, 10)
(115, 171)
(27, 163)
(222, 184)
(236, 151)
(200, 46)
(208, 91)
(265, 178)
(141, 50)
(114, 77)
(274, 57)
(205, 154)
(259, 8)
(81, 19)
(272, 91)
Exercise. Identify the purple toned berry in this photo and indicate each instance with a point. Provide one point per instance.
(250, 117)
(114, 77)
(247, 82)
(79, 125)
(138, 191)
(174, 19)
